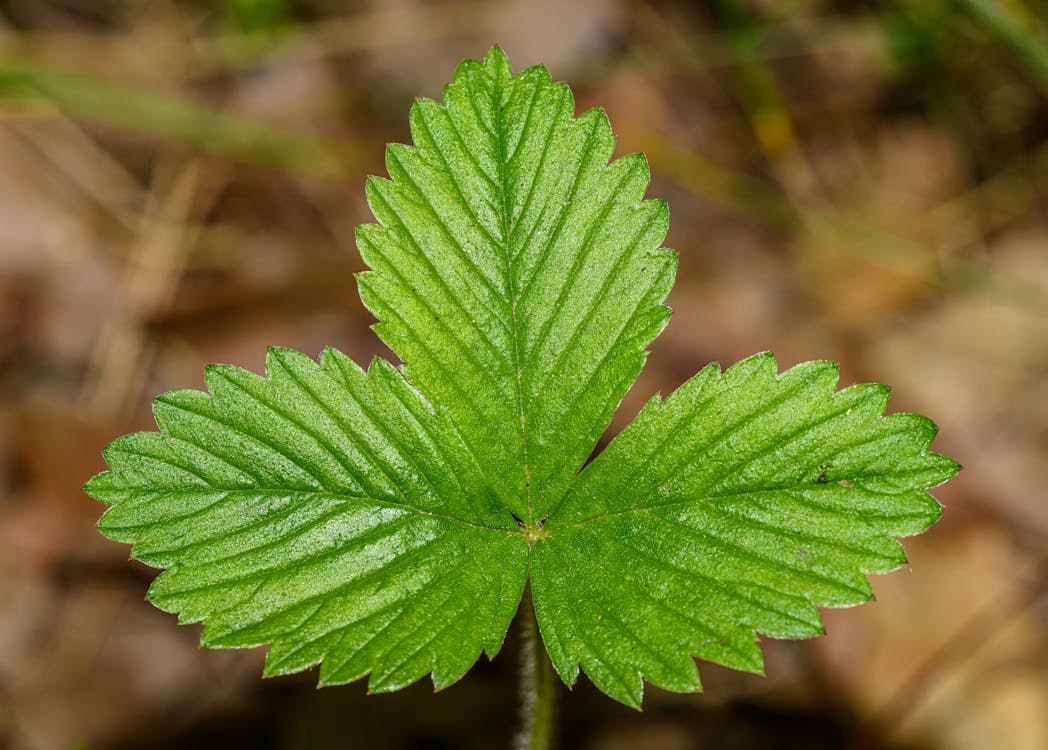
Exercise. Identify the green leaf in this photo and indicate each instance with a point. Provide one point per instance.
(732, 508)
(516, 273)
(386, 523)
(328, 511)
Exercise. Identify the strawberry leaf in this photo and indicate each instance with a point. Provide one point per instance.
(386, 523)
(732, 508)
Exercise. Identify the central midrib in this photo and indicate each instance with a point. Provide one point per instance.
(511, 287)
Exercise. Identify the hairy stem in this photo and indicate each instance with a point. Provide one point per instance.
(536, 684)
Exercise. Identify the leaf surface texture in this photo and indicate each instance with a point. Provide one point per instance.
(386, 522)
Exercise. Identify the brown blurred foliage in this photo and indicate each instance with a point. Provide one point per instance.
(857, 181)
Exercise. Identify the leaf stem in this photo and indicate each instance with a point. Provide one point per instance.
(536, 684)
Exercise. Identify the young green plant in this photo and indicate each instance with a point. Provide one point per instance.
(386, 522)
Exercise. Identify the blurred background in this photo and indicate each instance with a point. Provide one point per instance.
(864, 181)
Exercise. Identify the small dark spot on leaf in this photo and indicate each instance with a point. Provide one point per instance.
(520, 523)
(542, 521)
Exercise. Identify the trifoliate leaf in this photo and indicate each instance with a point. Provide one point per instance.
(387, 522)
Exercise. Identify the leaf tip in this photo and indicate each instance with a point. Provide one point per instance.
(495, 53)
(217, 374)
(374, 185)
(279, 352)
(93, 487)
(496, 60)
(949, 469)
(763, 361)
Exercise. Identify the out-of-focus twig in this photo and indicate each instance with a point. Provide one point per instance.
(171, 118)
(81, 160)
(954, 653)
(1023, 37)
(117, 361)
(384, 27)
(761, 202)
